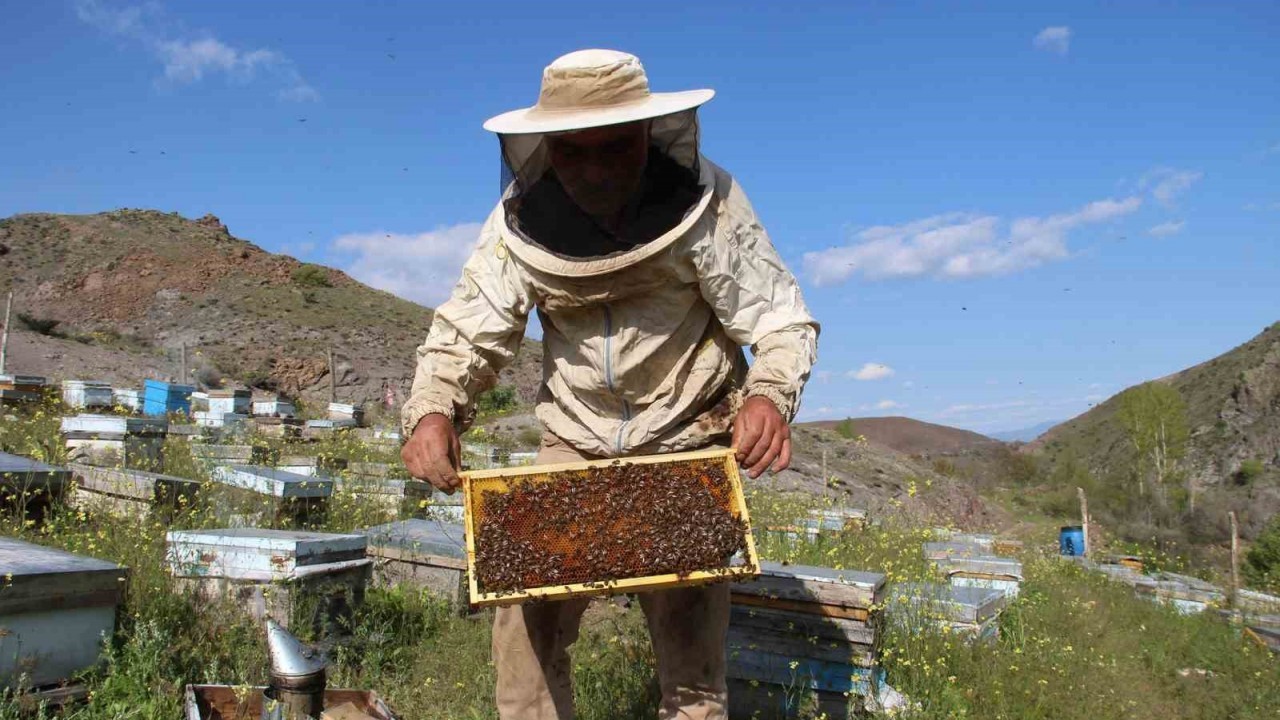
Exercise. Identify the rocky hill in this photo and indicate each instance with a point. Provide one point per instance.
(115, 295)
(913, 437)
(1233, 408)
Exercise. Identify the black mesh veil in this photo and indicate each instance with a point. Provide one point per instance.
(525, 156)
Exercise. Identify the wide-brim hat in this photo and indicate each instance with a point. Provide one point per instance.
(592, 88)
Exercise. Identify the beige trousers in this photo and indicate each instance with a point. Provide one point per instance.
(687, 627)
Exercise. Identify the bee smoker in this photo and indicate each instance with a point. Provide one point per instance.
(297, 684)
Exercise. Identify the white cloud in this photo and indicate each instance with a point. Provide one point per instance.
(1054, 39)
(1273, 150)
(188, 58)
(421, 267)
(871, 371)
(1168, 183)
(1166, 229)
(909, 384)
(887, 405)
(958, 245)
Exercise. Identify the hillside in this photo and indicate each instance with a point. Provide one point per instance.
(114, 295)
(1233, 409)
(913, 437)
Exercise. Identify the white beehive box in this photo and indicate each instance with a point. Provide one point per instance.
(127, 398)
(311, 466)
(292, 576)
(86, 393)
(274, 407)
(114, 440)
(273, 482)
(421, 553)
(213, 419)
(57, 609)
(969, 611)
(233, 402)
(982, 571)
(30, 485)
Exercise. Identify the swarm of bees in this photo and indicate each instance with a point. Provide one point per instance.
(607, 523)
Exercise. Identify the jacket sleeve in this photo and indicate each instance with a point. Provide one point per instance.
(473, 335)
(757, 300)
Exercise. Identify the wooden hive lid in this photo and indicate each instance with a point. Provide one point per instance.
(45, 578)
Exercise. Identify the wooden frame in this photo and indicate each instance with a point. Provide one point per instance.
(750, 567)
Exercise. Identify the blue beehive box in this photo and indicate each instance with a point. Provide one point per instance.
(162, 398)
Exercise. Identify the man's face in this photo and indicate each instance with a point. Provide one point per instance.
(601, 167)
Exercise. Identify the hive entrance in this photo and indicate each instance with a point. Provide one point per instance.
(605, 523)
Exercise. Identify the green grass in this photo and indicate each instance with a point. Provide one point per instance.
(1073, 646)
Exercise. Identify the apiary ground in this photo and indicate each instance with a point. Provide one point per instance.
(607, 523)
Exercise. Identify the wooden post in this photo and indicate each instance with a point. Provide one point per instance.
(4, 340)
(826, 480)
(333, 397)
(183, 378)
(1084, 519)
(1235, 558)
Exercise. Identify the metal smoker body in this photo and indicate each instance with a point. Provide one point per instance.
(297, 684)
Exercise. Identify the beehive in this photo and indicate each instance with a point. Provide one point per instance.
(162, 398)
(86, 393)
(971, 612)
(422, 553)
(311, 465)
(254, 494)
(227, 702)
(55, 608)
(407, 498)
(29, 485)
(984, 571)
(115, 441)
(132, 493)
(307, 577)
(566, 550)
(798, 627)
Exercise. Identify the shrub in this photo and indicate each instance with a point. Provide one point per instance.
(844, 429)
(309, 275)
(1262, 562)
(44, 326)
(499, 399)
(1249, 471)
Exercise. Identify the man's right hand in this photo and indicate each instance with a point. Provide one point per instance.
(434, 453)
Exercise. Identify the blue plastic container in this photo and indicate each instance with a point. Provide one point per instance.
(1071, 540)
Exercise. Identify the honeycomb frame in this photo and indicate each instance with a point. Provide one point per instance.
(476, 482)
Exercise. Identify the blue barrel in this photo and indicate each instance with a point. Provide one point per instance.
(1071, 540)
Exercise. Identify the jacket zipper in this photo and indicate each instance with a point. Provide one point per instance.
(608, 377)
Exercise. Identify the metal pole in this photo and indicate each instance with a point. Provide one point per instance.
(4, 341)
(1084, 519)
(1235, 559)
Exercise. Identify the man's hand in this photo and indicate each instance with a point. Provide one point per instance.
(761, 437)
(434, 453)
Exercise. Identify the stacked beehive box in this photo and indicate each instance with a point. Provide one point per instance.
(84, 394)
(402, 496)
(30, 486)
(163, 398)
(225, 408)
(115, 441)
(274, 406)
(423, 553)
(301, 579)
(127, 398)
(972, 565)
(213, 454)
(312, 465)
(55, 609)
(348, 414)
(132, 493)
(256, 494)
(802, 627)
(15, 389)
(971, 612)
(1188, 594)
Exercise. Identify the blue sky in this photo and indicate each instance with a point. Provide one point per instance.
(1000, 213)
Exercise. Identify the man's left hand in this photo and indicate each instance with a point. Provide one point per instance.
(761, 437)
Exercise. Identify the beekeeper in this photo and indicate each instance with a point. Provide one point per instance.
(649, 272)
